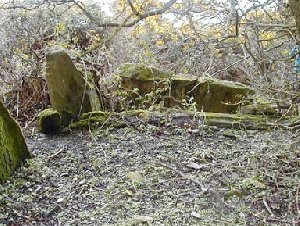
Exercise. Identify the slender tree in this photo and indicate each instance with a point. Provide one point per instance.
(294, 6)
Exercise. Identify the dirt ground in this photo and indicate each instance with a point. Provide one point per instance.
(149, 175)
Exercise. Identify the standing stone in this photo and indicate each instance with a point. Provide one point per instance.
(13, 149)
(70, 93)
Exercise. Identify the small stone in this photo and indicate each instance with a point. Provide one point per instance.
(60, 200)
(135, 176)
(194, 165)
(195, 214)
(49, 121)
(82, 182)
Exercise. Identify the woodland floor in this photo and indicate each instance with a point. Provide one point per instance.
(151, 175)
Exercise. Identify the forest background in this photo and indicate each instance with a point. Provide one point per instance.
(154, 172)
(245, 41)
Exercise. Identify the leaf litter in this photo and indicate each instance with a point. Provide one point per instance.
(151, 175)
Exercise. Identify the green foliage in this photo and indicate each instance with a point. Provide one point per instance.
(254, 183)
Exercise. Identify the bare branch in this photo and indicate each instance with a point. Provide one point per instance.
(9, 6)
(125, 23)
(160, 11)
(134, 10)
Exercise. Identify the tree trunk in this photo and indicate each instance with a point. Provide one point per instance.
(294, 6)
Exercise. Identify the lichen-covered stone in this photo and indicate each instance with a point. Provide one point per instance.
(13, 149)
(209, 94)
(144, 78)
(70, 93)
(179, 118)
(49, 121)
(220, 96)
(259, 109)
(90, 120)
(141, 72)
(223, 120)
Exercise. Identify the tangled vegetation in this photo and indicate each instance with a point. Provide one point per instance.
(179, 36)
(128, 170)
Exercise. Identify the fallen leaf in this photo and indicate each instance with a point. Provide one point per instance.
(141, 219)
(193, 131)
(195, 214)
(258, 184)
(193, 165)
(82, 182)
(135, 176)
(129, 192)
(60, 200)
(233, 192)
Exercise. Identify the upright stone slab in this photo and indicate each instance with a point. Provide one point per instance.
(13, 149)
(70, 93)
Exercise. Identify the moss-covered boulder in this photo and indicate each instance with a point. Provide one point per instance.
(209, 94)
(92, 119)
(180, 118)
(13, 149)
(220, 96)
(260, 108)
(70, 92)
(49, 121)
(142, 77)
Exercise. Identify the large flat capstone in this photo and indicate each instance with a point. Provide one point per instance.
(71, 93)
(13, 149)
(208, 94)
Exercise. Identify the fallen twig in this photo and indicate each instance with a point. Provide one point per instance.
(268, 208)
(276, 219)
(297, 199)
(203, 188)
(56, 153)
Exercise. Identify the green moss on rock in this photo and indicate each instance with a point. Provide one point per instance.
(181, 117)
(141, 72)
(13, 149)
(220, 96)
(70, 93)
(91, 120)
(182, 88)
(209, 94)
(94, 114)
(260, 109)
(145, 78)
(238, 121)
(49, 121)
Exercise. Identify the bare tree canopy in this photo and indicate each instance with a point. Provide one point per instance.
(244, 39)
